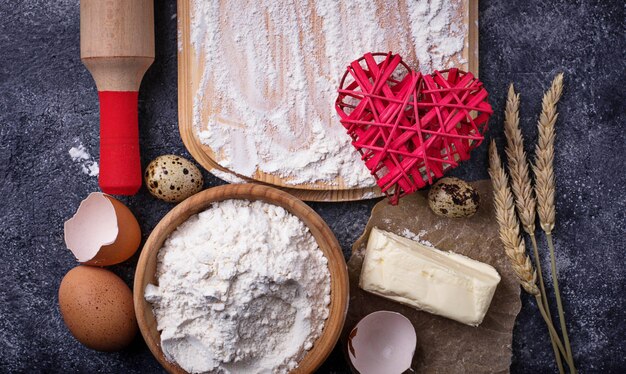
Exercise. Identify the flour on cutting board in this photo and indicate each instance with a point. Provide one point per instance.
(272, 68)
(81, 156)
(226, 176)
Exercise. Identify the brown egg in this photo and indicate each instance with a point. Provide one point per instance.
(97, 307)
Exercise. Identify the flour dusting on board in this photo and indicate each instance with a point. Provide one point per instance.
(226, 176)
(266, 97)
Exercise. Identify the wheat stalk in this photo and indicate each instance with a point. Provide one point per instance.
(522, 190)
(509, 226)
(544, 155)
(545, 187)
(513, 245)
(518, 164)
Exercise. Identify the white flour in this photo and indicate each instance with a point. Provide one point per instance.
(226, 176)
(416, 237)
(272, 69)
(87, 164)
(242, 288)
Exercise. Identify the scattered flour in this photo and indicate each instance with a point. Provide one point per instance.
(417, 237)
(242, 288)
(272, 68)
(80, 155)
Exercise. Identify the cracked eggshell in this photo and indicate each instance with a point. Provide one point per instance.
(382, 342)
(102, 232)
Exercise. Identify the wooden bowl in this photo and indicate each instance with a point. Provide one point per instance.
(146, 267)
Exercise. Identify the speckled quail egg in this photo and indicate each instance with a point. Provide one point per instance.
(173, 178)
(453, 197)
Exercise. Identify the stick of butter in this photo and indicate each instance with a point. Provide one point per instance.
(442, 283)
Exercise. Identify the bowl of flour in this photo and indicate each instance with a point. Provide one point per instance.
(241, 279)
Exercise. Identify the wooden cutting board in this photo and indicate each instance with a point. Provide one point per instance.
(191, 67)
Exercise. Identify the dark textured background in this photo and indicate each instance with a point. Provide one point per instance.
(49, 104)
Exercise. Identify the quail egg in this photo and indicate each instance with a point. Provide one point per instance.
(453, 197)
(173, 178)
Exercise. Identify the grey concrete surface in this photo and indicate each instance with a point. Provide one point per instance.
(48, 103)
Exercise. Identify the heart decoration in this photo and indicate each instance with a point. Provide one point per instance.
(408, 127)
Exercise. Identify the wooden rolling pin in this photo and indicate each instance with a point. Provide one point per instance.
(117, 47)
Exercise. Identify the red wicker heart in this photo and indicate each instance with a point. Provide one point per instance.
(410, 128)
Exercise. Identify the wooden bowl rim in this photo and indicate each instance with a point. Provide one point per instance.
(201, 201)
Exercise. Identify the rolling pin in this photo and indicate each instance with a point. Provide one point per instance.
(117, 47)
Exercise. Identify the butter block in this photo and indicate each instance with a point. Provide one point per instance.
(442, 283)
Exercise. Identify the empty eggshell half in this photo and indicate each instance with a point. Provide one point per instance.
(102, 232)
(382, 342)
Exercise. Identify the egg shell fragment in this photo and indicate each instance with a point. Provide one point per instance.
(382, 342)
(453, 198)
(97, 307)
(102, 232)
(173, 178)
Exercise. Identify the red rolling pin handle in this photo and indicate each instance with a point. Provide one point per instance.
(120, 166)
